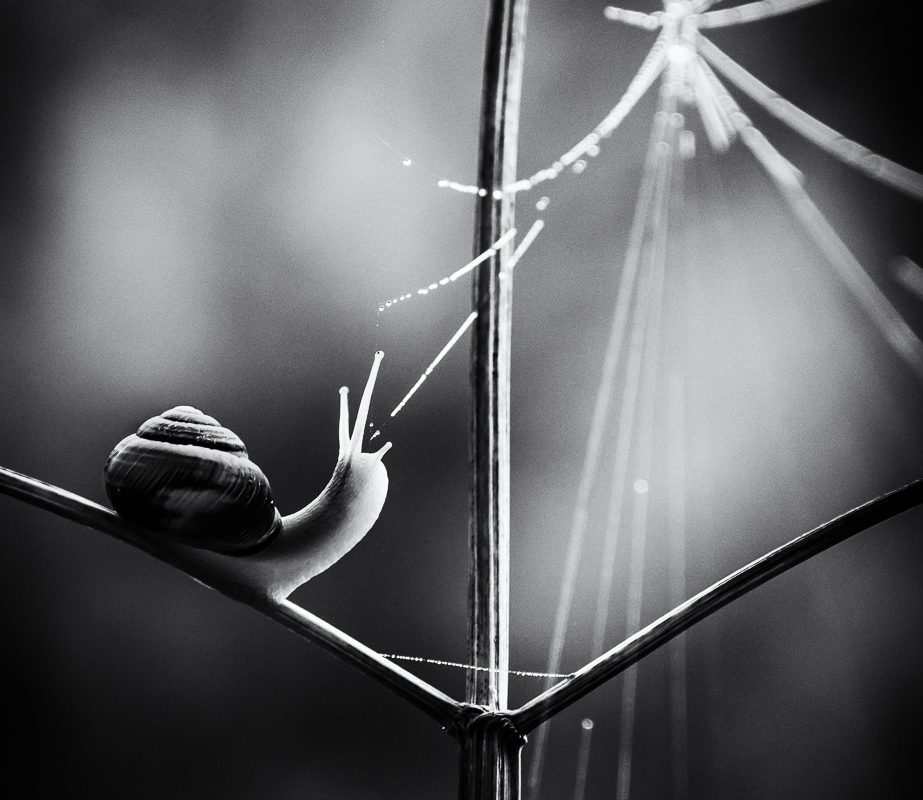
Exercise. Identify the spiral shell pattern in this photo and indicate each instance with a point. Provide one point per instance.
(185, 476)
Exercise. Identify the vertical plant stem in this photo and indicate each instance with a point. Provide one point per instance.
(488, 632)
(490, 758)
(490, 746)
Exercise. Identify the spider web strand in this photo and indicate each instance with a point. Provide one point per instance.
(439, 662)
(751, 12)
(639, 521)
(872, 300)
(850, 152)
(599, 420)
(637, 19)
(638, 348)
(647, 73)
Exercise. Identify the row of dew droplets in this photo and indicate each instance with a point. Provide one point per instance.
(518, 253)
(451, 278)
(589, 146)
(467, 188)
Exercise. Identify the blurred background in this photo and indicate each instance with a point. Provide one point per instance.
(205, 202)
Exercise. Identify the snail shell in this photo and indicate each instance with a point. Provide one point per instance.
(184, 476)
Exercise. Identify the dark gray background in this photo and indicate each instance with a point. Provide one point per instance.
(198, 207)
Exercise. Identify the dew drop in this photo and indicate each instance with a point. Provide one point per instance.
(593, 150)
(542, 203)
(374, 435)
(587, 724)
(641, 486)
(407, 162)
(482, 192)
(579, 166)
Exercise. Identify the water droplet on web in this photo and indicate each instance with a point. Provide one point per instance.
(455, 275)
(579, 166)
(593, 150)
(542, 203)
(406, 162)
(374, 435)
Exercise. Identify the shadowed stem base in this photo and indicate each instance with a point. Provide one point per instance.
(490, 749)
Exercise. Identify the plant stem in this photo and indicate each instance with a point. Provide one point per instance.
(707, 602)
(488, 632)
(65, 504)
(490, 757)
(489, 745)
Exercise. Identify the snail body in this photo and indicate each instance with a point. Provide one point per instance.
(188, 486)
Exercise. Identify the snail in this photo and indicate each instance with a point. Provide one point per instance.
(188, 481)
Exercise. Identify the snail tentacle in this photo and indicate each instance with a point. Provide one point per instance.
(380, 454)
(344, 421)
(362, 414)
(321, 533)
